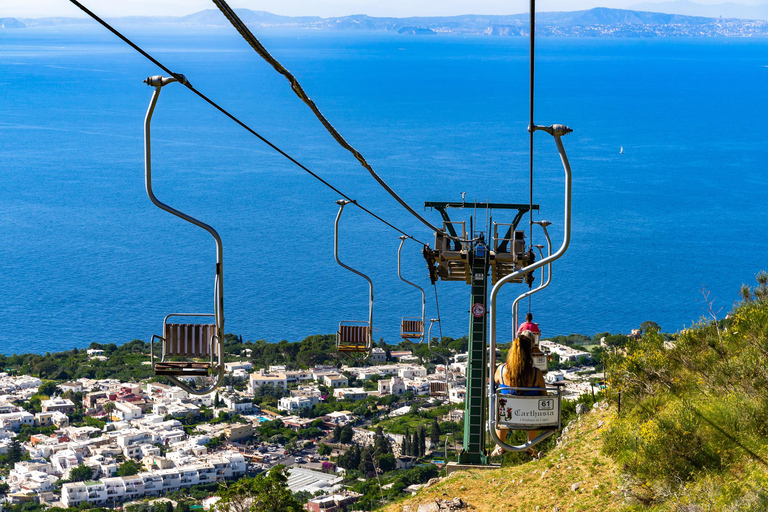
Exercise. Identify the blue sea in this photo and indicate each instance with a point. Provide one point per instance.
(87, 258)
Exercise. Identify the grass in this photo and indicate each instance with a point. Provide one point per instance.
(540, 484)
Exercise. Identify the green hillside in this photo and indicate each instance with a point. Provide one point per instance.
(686, 430)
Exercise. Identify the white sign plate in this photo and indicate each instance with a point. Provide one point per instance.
(527, 412)
(541, 362)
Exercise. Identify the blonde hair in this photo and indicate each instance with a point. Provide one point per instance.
(519, 370)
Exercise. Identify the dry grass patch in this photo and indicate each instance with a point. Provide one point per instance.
(540, 484)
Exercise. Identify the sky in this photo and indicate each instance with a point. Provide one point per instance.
(112, 8)
(399, 8)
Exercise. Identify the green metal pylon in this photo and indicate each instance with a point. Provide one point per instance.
(477, 360)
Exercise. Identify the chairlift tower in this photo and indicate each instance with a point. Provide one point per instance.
(462, 256)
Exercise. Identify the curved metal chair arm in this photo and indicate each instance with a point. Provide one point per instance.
(158, 83)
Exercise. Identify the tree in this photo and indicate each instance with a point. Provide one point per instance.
(266, 492)
(650, 326)
(80, 474)
(386, 462)
(183, 507)
(323, 449)
(15, 451)
(48, 388)
(336, 434)
(109, 407)
(435, 434)
(216, 401)
(422, 441)
(346, 434)
(129, 468)
(168, 507)
(405, 447)
(415, 443)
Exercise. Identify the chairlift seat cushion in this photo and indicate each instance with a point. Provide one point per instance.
(188, 340)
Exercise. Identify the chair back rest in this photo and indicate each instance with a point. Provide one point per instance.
(353, 334)
(189, 340)
(413, 326)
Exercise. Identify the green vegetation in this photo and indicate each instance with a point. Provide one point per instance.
(266, 492)
(129, 468)
(693, 428)
(81, 473)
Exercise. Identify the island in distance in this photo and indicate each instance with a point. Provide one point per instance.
(600, 21)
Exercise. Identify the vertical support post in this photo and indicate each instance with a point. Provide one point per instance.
(473, 451)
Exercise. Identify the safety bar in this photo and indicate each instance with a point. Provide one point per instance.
(544, 284)
(423, 296)
(158, 82)
(557, 131)
(342, 203)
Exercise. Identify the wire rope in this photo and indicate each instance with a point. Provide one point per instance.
(183, 80)
(244, 31)
(531, 125)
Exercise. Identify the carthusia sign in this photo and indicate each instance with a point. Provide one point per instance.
(528, 411)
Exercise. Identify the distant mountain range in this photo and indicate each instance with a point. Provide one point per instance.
(725, 10)
(593, 22)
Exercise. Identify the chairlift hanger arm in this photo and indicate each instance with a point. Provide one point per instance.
(423, 295)
(158, 82)
(557, 131)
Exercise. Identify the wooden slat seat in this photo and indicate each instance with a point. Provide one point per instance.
(182, 368)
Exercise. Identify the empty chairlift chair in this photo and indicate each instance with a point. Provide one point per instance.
(187, 349)
(438, 388)
(354, 338)
(411, 328)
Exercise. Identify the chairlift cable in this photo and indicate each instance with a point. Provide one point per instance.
(531, 125)
(183, 80)
(437, 307)
(244, 31)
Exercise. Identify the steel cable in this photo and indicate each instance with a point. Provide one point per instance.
(183, 80)
(244, 31)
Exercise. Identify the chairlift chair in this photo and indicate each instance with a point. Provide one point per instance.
(354, 338)
(438, 388)
(187, 349)
(411, 328)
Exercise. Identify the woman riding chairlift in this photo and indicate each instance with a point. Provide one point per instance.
(519, 372)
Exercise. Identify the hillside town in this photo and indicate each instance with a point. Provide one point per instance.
(103, 443)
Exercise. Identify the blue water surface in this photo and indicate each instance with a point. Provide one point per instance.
(86, 257)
